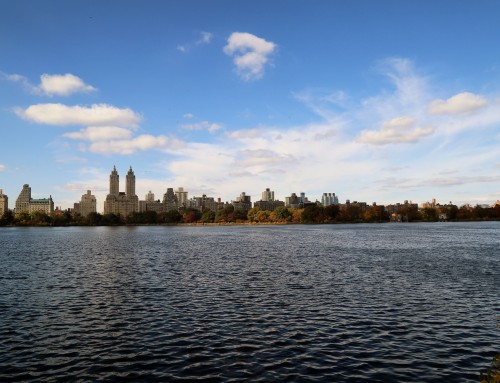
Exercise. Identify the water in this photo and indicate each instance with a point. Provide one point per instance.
(382, 302)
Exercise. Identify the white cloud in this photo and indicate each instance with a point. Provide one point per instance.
(53, 85)
(96, 115)
(189, 116)
(460, 103)
(204, 125)
(2, 167)
(100, 133)
(250, 54)
(142, 142)
(396, 130)
(62, 85)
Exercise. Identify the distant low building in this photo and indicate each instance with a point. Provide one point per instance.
(243, 202)
(4, 203)
(202, 203)
(298, 201)
(268, 202)
(268, 205)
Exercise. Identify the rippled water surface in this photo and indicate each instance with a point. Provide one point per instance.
(384, 302)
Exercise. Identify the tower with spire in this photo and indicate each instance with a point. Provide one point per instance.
(121, 203)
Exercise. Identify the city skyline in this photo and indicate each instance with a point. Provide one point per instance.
(377, 102)
(124, 200)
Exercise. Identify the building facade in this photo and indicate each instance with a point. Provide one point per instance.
(87, 204)
(4, 203)
(24, 202)
(328, 199)
(243, 202)
(268, 202)
(182, 197)
(121, 203)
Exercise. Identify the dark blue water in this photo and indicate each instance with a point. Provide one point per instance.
(383, 302)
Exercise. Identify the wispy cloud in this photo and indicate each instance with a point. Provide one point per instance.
(140, 143)
(2, 167)
(100, 133)
(203, 125)
(205, 38)
(250, 54)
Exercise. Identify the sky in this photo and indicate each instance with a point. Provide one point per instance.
(376, 101)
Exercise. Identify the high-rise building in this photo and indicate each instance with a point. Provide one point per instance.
(170, 201)
(150, 197)
(182, 197)
(4, 203)
(23, 200)
(328, 199)
(119, 202)
(114, 182)
(268, 202)
(267, 195)
(87, 204)
(27, 204)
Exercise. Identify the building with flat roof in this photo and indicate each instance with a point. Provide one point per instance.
(87, 204)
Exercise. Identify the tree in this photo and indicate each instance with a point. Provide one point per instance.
(331, 212)
(375, 214)
(171, 216)
(93, 219)
(429, 214)
(313, 214)
(191, 216)
(7, 218)
(281, 214)
(208, 216)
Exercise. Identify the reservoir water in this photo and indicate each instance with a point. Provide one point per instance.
(381, 302)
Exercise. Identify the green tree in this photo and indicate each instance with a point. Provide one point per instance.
(281, 214)
(208, 216)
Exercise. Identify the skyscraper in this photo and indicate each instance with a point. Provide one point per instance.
(4, 203)
(119, 202)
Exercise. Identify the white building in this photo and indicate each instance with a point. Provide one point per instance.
(328, 199)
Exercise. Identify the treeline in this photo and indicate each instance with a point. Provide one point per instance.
(281, 215)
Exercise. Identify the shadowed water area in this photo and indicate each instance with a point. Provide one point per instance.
(383, 302)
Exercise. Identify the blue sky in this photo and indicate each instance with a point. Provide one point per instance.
(377, 101)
